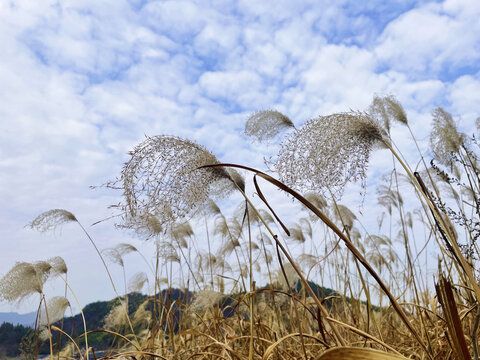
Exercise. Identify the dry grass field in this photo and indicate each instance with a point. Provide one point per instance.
(255, 299)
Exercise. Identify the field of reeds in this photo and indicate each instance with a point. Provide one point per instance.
(252, 282)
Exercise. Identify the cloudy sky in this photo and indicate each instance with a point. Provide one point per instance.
(82, 82)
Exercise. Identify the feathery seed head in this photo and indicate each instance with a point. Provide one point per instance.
(114, 256)
(308, 260)
(49, 220)
(43, 270)
(125, 248)
(211, 208)
(142, 316)
(345, 216)
(266, 216)
(296, 233)
(181, 230)
(56, 307)
(327, 152)
(117, 316)
(265, 125)
(445, 139)
(20, 282)
(291, 274)
(306, 226)
(205, 299)
(163, 177)
(167, 252)
(137, 282)
(387, 108)
(58, 264)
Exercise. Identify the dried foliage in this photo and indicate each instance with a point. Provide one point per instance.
(205, 300)
(56, 307)
(167, 251)
(21, 281)
(327, 153)
(117, 317)
(265, 125)
(445, 139)
(51, 219)
(163, 179)
(137, 282)
(230, 314)
(58, 265)
(344, 216)
(387, 108)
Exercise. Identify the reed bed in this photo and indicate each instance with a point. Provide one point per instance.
(254, 282)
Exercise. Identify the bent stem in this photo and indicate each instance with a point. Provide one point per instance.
(339, 337)
(342, 236)
(416, 180)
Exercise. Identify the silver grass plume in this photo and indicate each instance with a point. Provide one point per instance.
(211, 208)
(43, 270)
(307, 260)
(306, 226)
(20, 282)
(56, 307)
(296, 233)
(445, 139)
(387, 108)
(344, 216)
(388, 197)
(117, 317)
(181, 230)
(51, 219)
(205, 299)
(137, 282)
(114, 256)
(167, 252)
(291, 274)
(265, 125)
(142, 316)
(145, 224)
(239, 213)
(328, 152)
(163, 179)
(58, 265)
(124, 248)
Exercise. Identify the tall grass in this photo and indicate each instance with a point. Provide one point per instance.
(259, 277)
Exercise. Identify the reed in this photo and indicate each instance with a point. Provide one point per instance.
(255, 282)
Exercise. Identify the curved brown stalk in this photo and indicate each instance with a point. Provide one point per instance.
(342, 236)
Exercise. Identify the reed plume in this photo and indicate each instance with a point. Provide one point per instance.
(387, 108)
(328, 152)
(445, 139)
(51, 219)
(20, 282)
(56, 307)
(265, 125)
(162, 179)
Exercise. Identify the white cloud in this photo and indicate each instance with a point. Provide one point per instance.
(465, 97)
(433, 39)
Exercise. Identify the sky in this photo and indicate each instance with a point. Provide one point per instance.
(82, 82)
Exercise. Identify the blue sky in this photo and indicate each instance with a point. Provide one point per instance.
(82, 82)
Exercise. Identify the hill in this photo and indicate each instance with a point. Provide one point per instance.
(18, 319)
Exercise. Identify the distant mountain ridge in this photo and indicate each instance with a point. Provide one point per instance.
(18, 319)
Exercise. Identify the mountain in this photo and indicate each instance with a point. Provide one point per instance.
(18, 319)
